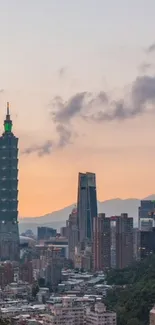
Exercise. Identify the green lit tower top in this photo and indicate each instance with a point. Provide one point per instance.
(8, 122)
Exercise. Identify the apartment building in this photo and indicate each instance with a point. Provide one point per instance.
(98, 315)
(69, 312)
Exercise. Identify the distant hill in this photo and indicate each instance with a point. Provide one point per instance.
(57, 219)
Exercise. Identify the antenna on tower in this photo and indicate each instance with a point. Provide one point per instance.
(8, 108)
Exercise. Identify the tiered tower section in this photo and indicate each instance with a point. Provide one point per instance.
(9, 233)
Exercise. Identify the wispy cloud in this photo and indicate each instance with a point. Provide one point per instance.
(65, 111)
(151, 48)
(142, 92)
(144, 67)
(40, 150)
(99, 108)
(62, 72)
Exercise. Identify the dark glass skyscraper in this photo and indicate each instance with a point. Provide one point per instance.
(9, 233)
(86, 206)
(146, 215)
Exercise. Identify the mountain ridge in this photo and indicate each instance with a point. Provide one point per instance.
(57, 219)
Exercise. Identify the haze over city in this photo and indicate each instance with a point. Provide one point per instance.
(80, 79)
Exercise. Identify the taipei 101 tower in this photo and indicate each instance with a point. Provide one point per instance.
(9, 233)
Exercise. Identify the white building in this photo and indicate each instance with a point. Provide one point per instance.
(69, 312)
(152, 316)
(98, 315)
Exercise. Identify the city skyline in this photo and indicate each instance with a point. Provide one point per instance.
(77, 58)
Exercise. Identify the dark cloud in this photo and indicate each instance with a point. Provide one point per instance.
(97, 108)
(142, 92)
(40, 150)
(100, 99)
(117, 111)
(64, 135)
(151, 48)
(66, 111)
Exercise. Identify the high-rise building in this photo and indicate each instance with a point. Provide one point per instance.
(45, 233)
(121, 241)
(146, 215)
(26, 272)
(72, 234)
(64, 231)
(9, 233)
(86, 206)
(101, 243)
(136, 244)
(53, 272)
(147, 228)
(6, 273)
(147, 243)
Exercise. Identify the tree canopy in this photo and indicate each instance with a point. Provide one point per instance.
(133, 295)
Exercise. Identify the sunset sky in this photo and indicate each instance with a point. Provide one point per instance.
(80, 79)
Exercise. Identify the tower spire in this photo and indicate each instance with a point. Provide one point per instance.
(8, 112)
(8, 108)
(8, 122)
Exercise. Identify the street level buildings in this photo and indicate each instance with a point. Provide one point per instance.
(98, 315)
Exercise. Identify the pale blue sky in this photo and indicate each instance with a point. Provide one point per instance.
(100, 45)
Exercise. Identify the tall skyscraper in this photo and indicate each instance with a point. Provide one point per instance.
(72, 233)
(9, 233)
(147, 215)
(147, 243)
(101, 243)
(86, 206)
(121, 241)
(136, 244)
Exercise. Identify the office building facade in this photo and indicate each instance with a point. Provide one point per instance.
(136, 244)
(9, 233)
(86, 206)
(101, 243)
(72, 233)
(146, 215)
(147, 243)
(121, 241)
(45, 233)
